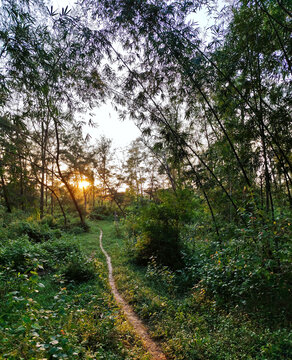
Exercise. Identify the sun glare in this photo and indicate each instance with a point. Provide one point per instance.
(83, 184)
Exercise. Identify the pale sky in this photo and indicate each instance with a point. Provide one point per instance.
(106, 118)
(108, 124)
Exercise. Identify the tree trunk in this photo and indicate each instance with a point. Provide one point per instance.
(5, 194)
(65, 182)
(21, 184)
(42, 182)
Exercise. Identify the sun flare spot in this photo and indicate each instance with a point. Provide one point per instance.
(83, 184)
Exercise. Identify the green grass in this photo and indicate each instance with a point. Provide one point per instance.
(188, 324)
(43, 316)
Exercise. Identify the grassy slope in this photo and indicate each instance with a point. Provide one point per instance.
(189, 325)
(50, 319)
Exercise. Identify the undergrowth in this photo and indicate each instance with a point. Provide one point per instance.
(184, 313)
(55, 299)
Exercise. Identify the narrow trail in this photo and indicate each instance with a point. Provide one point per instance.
(151, 346)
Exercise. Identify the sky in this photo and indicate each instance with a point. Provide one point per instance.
(106, 118)
(110, 126)
(108, 123)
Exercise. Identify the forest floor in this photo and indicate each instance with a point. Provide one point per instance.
(187, 324)
(128, 328)
(57, 311)
(45, 315)
(152, 347)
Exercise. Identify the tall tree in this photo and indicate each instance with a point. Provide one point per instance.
(52, 70)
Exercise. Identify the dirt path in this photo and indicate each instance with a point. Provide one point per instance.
(151, 346)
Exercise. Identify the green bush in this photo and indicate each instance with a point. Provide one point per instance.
(50, 221)
(18, 254)
(103, 212)
(161, 275)
(79, 269)
(59, 249)
(248, 266)
(55, 253)
(3, 234)
(36, 232)
(76, 228)
(155, 227)
(22, 255)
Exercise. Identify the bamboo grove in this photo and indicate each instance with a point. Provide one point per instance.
(214, 113)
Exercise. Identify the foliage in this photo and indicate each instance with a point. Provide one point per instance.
(191, 323)
(50, 221)
(56, 253)
(77, 228)
(22, 255)
(249, 267)
(161, 274)
(209, 179)
(78, 269)
(155, 227)
(103, 212)
(43, 315)
(18, 255)
(36, 232)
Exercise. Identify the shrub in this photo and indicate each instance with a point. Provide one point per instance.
(250, 265)
(49, 220)
(3, 234)
(102, 212)
(161, 275)
(58, 250)
(76, 228)
(155, 227)
(18, 254)
(36, 232)
(161, 240)
(79, 269)
(22, 255)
